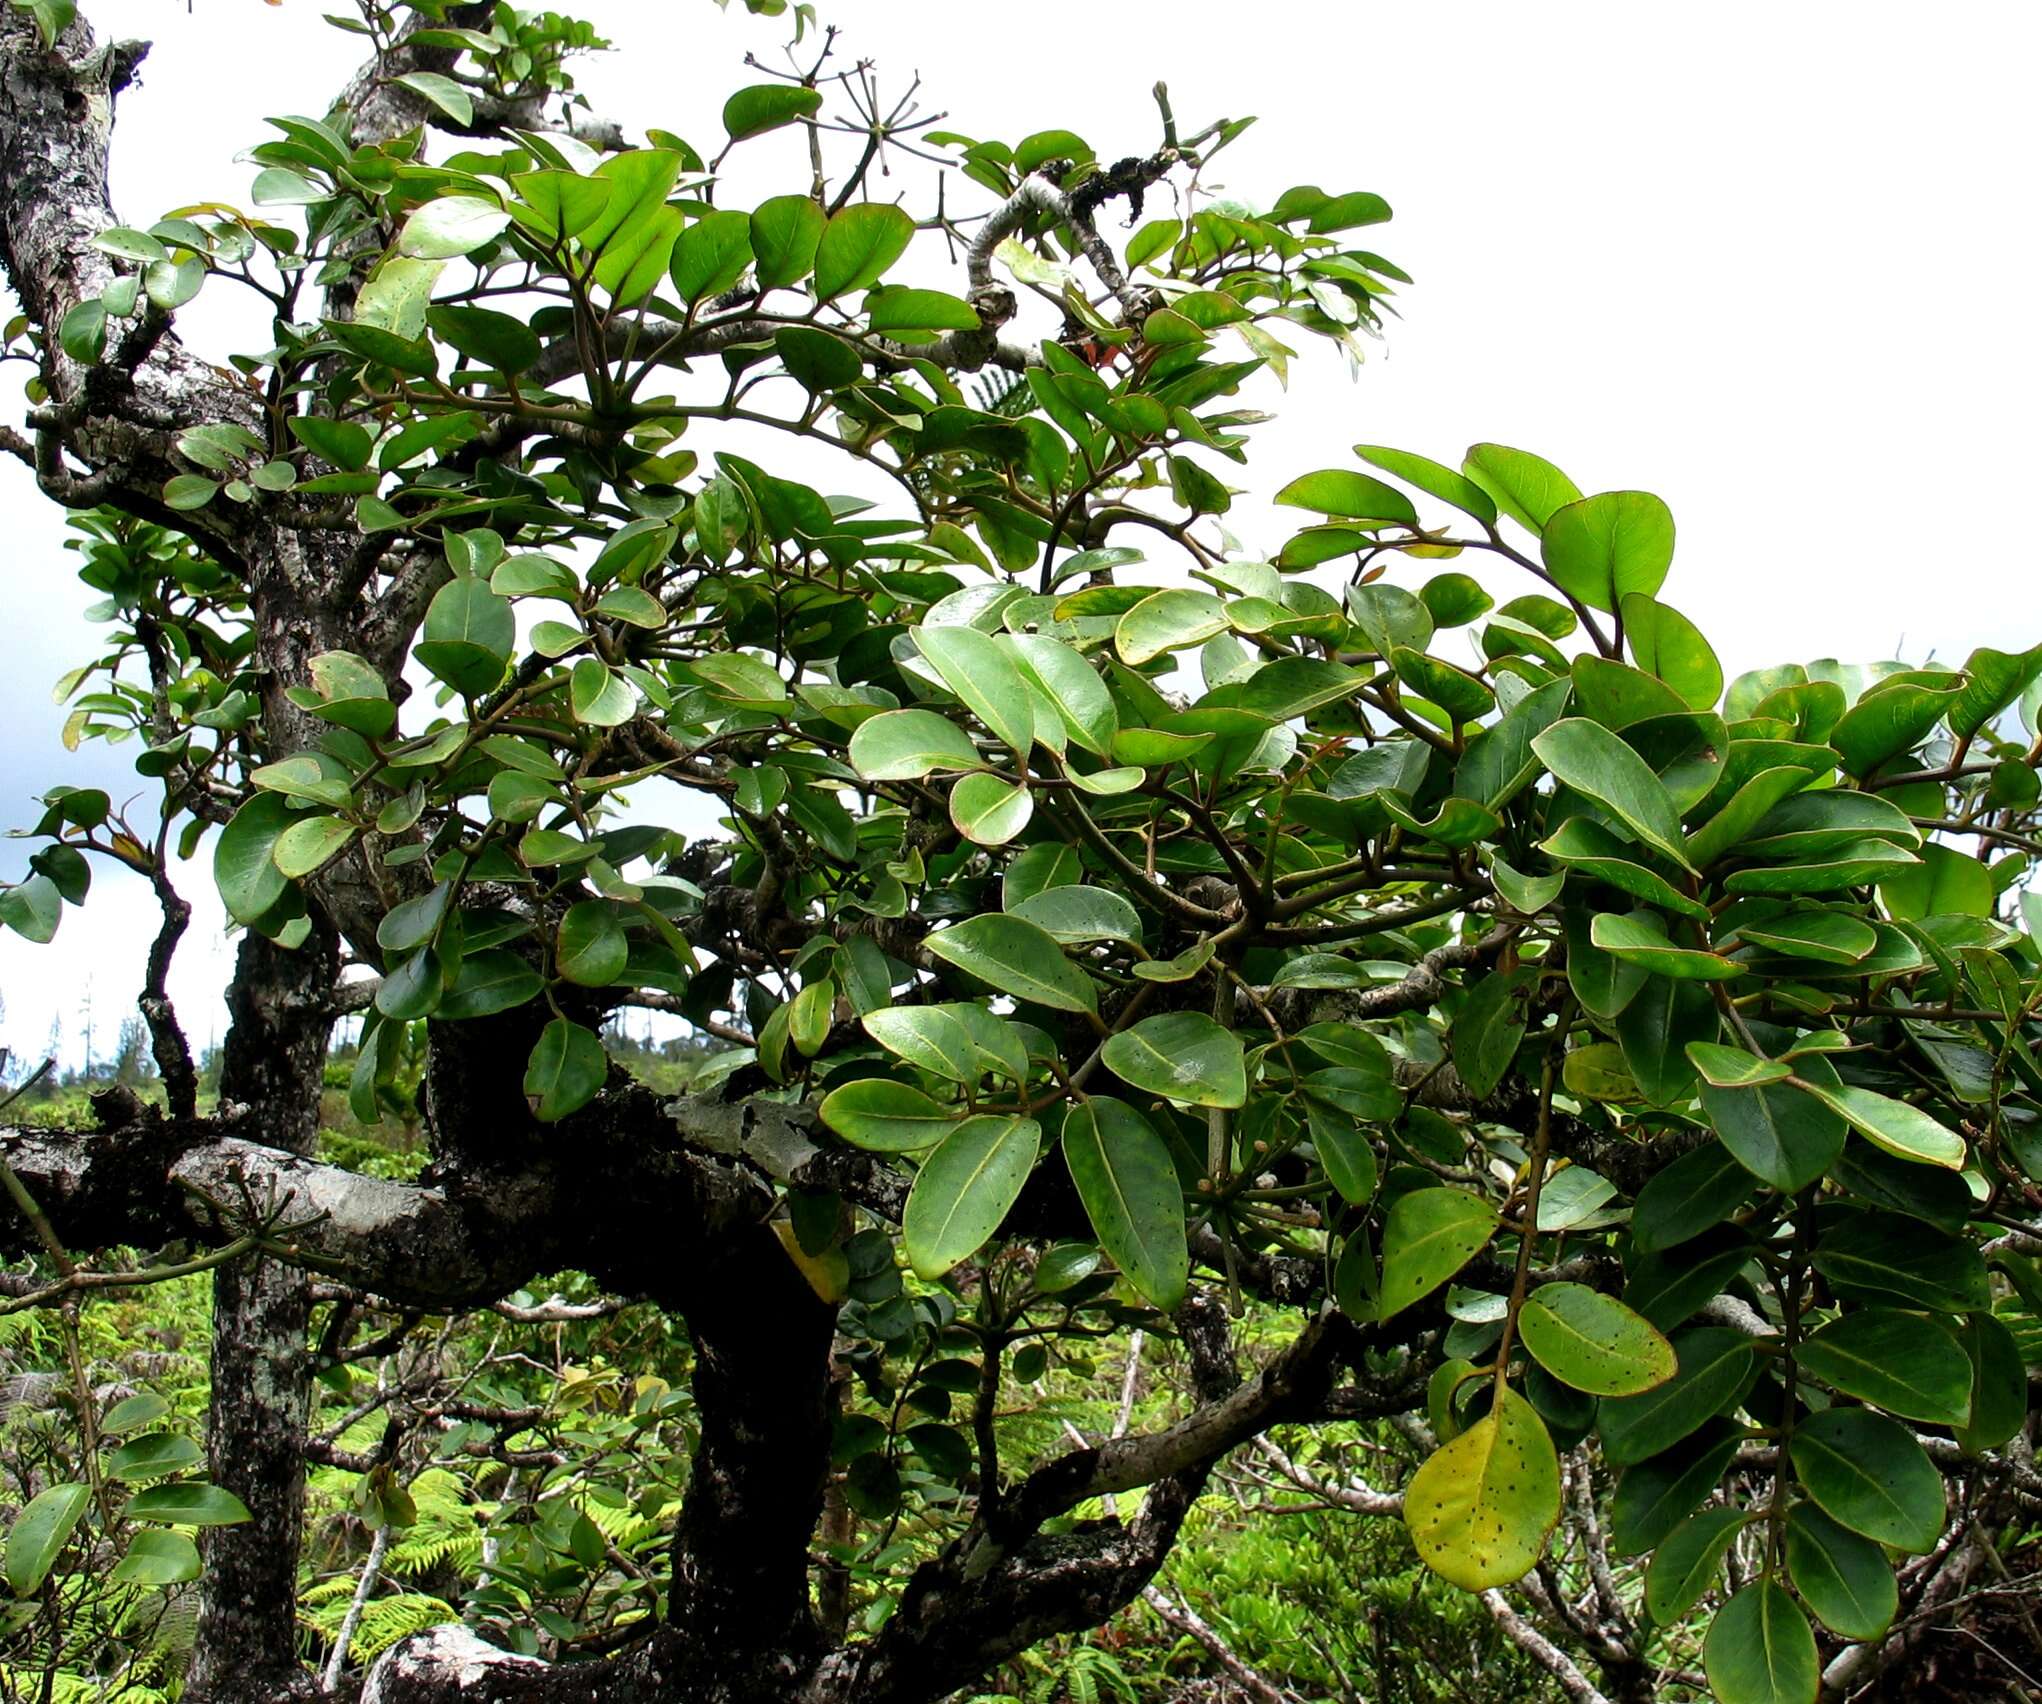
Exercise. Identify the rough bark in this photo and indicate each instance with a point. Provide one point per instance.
(245, 1648)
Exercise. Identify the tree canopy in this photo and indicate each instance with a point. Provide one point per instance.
(1390, 929)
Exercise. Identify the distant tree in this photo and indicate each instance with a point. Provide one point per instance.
(1625, 1083)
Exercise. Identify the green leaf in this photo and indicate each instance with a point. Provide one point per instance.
(156, 1456)
(451, 225)
(985, 678)
(887, 1117)
(1904, 1131)
(1993, 680)
(905, 745)
(566, 1070)
(344, 443)
(1714, 1364)
(1733, 1067)
(81, 334)
(1655, 1495)
(1894, 1257)
(492, 981)
(710, 256)
(1828, 937)
(1665, 643)
(600, 698)
(819, 360)
(591, 947)
(1684, 1568)
(1074, 915)
(988, 811)
(1583, 844)
(469, 635)
(767, 106)
(1454, 690)
(39, 1534)
(1759, 1649)
(1593, 1342)
(498, 341)
(956, 1041)
(1013, 956)
(1526, 487)
(446, 94)
(1598, 764)
(1072, 685)
(1892, 718)
(1846, 1580)
(964, 1189)
(1999, 1384)
(1168, 621)
(1640, 939)
(1434, 479)
(132, 1412)
(857, 246)
(1605, 547)
(1349, 495)
(1129, 1185)
(1428, 1236)
(896, 311)
(1945, 883)
(157, 1559)
(1778, 1134)
(187, 1504)
(1343, 1146)
(310, 842)
(244, 869)
(1480, 1507)
(785, 233)
(1487, 1031)
(413, 989)
(1181, 1056)
(1895, 1361)
(1849, 866)
(1867, 1473)
(186, 491)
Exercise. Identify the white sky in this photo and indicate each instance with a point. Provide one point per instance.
(1771, 261)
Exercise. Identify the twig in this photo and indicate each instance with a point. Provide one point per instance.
(1187, 1620)
(372, 1571)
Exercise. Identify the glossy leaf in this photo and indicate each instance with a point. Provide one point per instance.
(964, 1189)
(1687, 1562)
(1480, 1507)
(1903, 1130)
(981, 674)
(1868, 1474)
(905, 745)
(1011, 955)
(1182, 1056)
(1428, 1236)
(1845, 1579)
(566, 1070)
(1595, 762)
(39, 1534)
(887, 1117)
(1713, 1366)
(1896, 1361)
(1759, 1649)
(1609, 546)
(187, 1503)
(1125, 1177)
(1593, 1342)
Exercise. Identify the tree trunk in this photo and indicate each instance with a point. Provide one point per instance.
(246, 1644)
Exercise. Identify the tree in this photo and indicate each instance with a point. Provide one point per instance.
(1112, 941)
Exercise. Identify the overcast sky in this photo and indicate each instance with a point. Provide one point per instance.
(1773, 262)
